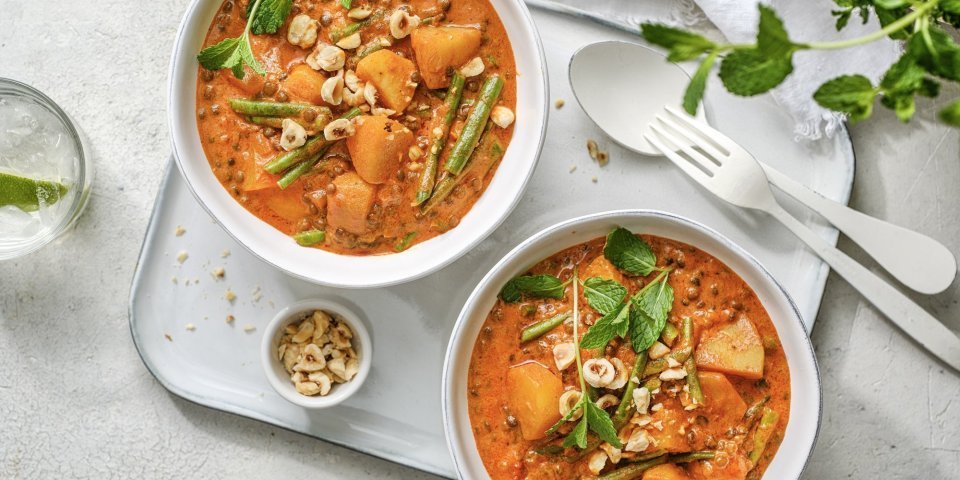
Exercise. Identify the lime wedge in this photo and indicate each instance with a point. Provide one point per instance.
(27, 193)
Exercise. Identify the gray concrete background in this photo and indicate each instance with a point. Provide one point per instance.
(75, 400)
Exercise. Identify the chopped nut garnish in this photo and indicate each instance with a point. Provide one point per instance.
(603, 157)
(230, 296)
(168, 337)
(594, 179)
(179, 231)
(219, 272)
(191, 327)
(572, 168)
(318, 352)
(182, 256)
(249, 328)
(592, 148)
(225, 254)
(174, 280)
(230, 318)
(559, 103)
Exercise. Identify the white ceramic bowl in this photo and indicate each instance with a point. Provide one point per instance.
(279, 378)
(804, 421)
(327, 268)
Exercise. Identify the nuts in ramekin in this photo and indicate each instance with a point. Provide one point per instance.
(318, 353)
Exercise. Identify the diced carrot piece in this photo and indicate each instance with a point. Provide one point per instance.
(378, 146)
(392, 75)
(533, 392)
(349, 205)
(440, 48)
(721, 397)
(734, 348)
(304, 83)
(667, 471)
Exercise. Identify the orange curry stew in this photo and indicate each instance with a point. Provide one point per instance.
(708, 396)
(372, 128)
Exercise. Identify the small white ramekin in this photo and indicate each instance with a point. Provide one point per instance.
(279, 378)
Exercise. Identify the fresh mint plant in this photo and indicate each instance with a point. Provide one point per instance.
(263, 17)
(930, 58)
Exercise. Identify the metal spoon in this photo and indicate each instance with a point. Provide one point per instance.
(600, 72)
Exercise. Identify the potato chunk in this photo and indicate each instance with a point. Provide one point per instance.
(721, 397)
(378, 146)
(734, 348)
(392, 75)
(673, 437)
(304, 83)
(440, 48)
(533, 392)
(667, 471)
(349, 205)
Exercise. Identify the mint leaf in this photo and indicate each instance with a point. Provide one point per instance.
(850, 94)
(269, 17)
(603, 295)
(772, 38)
(346, 3)
(950, 6)
(629, 252)
(225, 54)
(577, 436)
(648, 314)
(698, 84)
(749, 72)
(951, 114)
(887, 16)
(539, 286)
(599, 422)
(843, 18)
(614, 324)
(934, 50)
(681, 45)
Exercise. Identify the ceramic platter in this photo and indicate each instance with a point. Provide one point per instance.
(396, 414)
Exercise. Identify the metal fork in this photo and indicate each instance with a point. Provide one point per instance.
(729, 171)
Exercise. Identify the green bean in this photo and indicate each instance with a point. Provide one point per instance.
(337, 35)
(267, 109)
(692, 456)
(451, 102)
(373, 47)
(634, 470)
(310, 237)
(476, 121)
(307, 151)
(538, 329)
(652, 384)
(404, 242)
(659, 365)
(277, 122)
(303, 167)
(447, 182)
(690, 365)
(670, 334)
(625, 408)
(768, 423)
(756, 407)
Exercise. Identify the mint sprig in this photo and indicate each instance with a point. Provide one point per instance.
(537, 286)
(263, 16)
(931, 57)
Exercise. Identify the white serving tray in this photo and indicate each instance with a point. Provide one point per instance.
(396, 414)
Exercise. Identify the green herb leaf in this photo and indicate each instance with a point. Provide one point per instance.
(603, 295)
(772, 38)
(749, 72)
(682, 45)
(577, 436)
(405, 242)
(698, 84)
(648, 314)
(629, 252)
(269, 16)
(225, 54)
(599, 422)
(850, 94)
(951, 114)
(843, 17)
(934, 50)
(888, 16)
(950, 6)
(346, 3)
(616, 323)
(539, 286)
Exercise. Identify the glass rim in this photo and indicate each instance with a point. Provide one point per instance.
(23, 90)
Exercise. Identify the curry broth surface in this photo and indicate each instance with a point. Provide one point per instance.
(235, 146)
(506, 455)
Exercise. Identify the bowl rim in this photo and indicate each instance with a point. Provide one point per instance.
(523, 36)
(570, 226)
(271, 337)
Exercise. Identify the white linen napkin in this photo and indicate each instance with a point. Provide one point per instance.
(806, 21)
